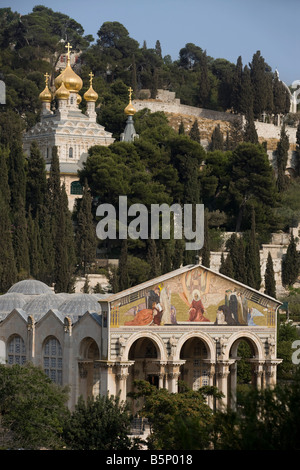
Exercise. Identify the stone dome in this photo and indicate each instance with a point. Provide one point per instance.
(10, 301)
(30, 287)
(41, 304)
(78, 304)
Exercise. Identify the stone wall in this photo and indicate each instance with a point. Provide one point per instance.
(208, 119)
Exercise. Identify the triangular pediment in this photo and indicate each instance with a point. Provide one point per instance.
(193, 295)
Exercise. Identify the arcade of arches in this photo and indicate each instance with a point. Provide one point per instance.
(196, 359)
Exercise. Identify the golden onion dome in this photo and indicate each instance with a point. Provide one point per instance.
(78, 99)
(90, 95)
(130, 109)
(71, 80)
(62, 93)
(45, 95)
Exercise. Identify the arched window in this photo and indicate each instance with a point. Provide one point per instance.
(71, 152)
(16, 351)
(76, 188)
(53, 360)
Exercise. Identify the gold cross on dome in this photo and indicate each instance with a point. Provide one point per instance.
(91, 75)
(68, 46)
(46, 77)
(130, 93)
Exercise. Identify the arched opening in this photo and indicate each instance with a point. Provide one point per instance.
(195, 371)
(53, 360)
(89, 375)
(16, 350)
(243, 370)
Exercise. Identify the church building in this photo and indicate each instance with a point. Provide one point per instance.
(68, 128)
(185, 325)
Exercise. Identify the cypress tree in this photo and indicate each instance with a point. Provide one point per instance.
(86, 241)
(36, 181)
(217, 140)
(181, 130)
(194, 132)
(64, 247)
(17, 183)
(281, 158)
(204, 85)
(236, 248)
(250, 133)
(153, 259)
(178, 254)
(4, 186)
(253, 257)
(237, 85)
(259, 79)
(246, 93)
(290, 264)
(226, 266)
(8, 271)
(297, 152)
(270, 285)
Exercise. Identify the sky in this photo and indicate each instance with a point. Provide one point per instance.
(224, 28)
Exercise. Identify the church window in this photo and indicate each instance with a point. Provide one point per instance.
(76, 188)
(53, 360)
(16, 351)
(71, 152)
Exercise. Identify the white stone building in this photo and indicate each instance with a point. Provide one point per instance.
(185, 325)
(67, 128)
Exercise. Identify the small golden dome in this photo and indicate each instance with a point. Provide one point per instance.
(71, 80)
(78, 99)
(130, 109)
(90, 95)
(45, 95)
(62, 93)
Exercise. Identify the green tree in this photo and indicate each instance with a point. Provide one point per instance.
(290, 264)
(226, 266)
(102, 423)
(270, 285)
(194, 132)
(281, 159)
(85, 235)
(36, 182)
(32, 408)
(8, 271)
(252, 256)
(169, 414)
(217, 139)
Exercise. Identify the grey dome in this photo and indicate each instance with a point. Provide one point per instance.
(42, 303)
(30, 287)
(78, 304)
(10, 301)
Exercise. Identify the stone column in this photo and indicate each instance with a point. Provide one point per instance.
(173, 375)
(122, 374)
(233, 383)
(271, 371)
(222, 378)
(30, 346)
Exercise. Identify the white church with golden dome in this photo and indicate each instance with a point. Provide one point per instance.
(68, 128)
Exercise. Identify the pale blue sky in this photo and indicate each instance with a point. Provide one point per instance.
(224, 28)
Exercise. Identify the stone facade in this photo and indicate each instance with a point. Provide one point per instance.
(184, 325)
